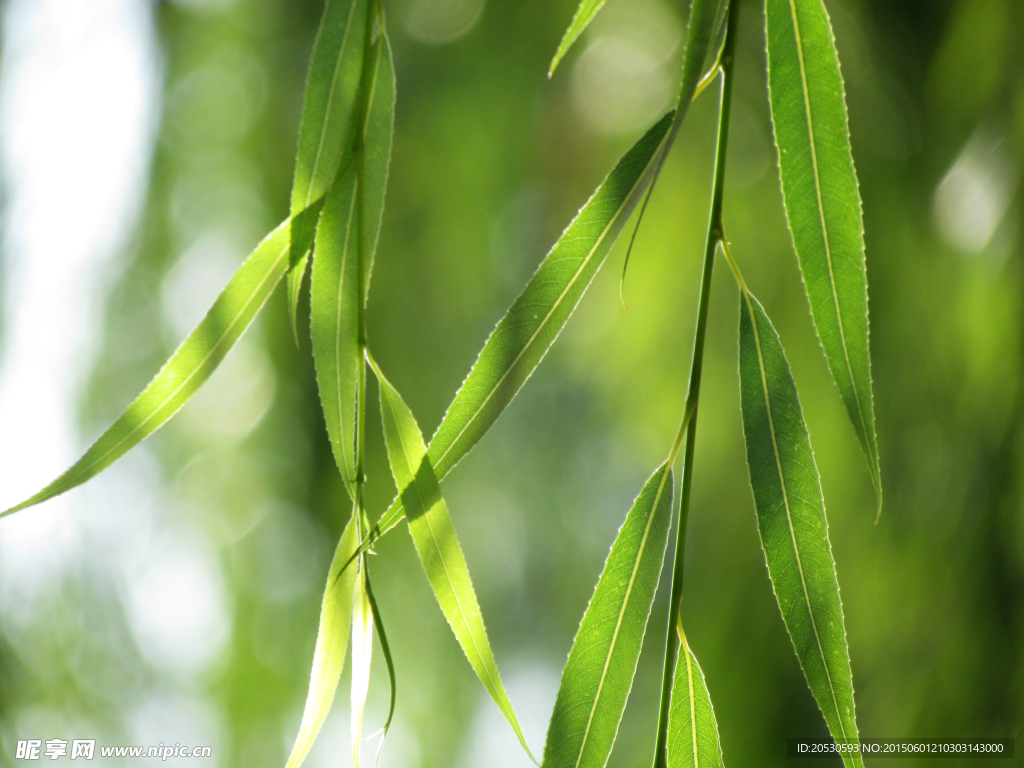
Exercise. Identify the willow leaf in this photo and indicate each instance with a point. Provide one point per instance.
(692, 728)
(362, 656)
(791, 519)
(334, 320)
(331, 641)
(187, 369)
(585, 14)
(389, 663)
(819, 187)
(346, 238)
(529, 328)
(436, 543)
(524, 335)
(328, 106)
(707, 19)
(599, 673)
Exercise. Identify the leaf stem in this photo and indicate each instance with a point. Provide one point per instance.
(689, 424)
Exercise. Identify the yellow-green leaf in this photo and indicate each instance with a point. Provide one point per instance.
(524, 335)
(692, 728)
(346, 238)
(188, 368)
(325, 130)
(331, 642)
(437, 544)
(362, 656)
(580, 21)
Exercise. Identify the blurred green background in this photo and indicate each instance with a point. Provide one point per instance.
(491, 160)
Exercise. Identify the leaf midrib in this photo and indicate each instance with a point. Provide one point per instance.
(821, 217)
(622, 612)
(693, 707)
(789, 517)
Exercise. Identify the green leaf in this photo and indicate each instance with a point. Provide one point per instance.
(188, 368)
(334, 320)
(331, 641)
(584, 15)
(346, 238)
(389, 663)
(529, 328)
(436, 543)
(328, 106)
(707, 19)
(692, 728)
(791, 519)
(362, 656)
(524, 335)
(819, 187)
(303, 231)
(599, 673)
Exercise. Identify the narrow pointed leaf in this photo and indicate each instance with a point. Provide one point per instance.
(331, 642)
(524, 335)
(188, 368)
(529, 328)
(303, 232)
(437, 545)
(791, 519)
(599, 673)
(585, 14)
(362, 656)
(328, 106)
(334, 320)
(389, 663)
(707, 20)
(692, 728)
(819, 187)
(378, 135)
(346, 238)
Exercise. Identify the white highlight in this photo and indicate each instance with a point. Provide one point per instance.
(975, 193)
(78, 90)
(532, 687)
(440, 21)
(624, 80)
(177, 607)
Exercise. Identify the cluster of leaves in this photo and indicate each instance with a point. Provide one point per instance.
(337, 200)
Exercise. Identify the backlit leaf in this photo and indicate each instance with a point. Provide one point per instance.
(584, 15)
(599, 673)
(325, 130)
(436, 543)
(389, 663)
(692, 728)
(188, 368)
(331, 642)
(362, 656)
(529, 328)
(819, 186)
(791, 519)
(707, 19)
(346, 238)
